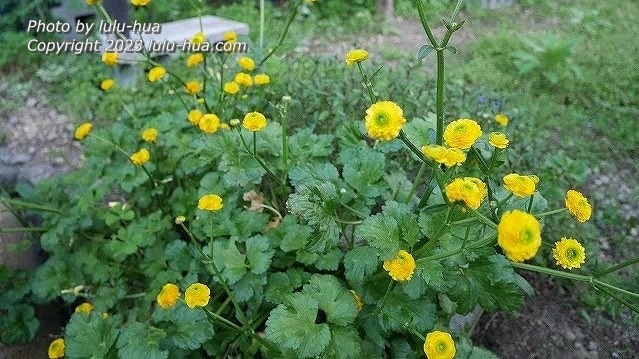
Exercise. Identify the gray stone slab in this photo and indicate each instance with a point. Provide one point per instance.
(179, 31)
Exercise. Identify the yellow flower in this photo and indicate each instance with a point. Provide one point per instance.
(168, 296)
(578, 205)
(91, 2)
(83, 131)
(141, 157)
(357, 55)
(462, 133)
(261, 79)
(230, 36)
(384, 120)
(358, 300)
(469, 190)
(246, 63)
(110, 58)
(197, 295)
(400, 268)
(448, 156)
(519, 235)
(56, 349)
(194, 60)
(107, 84)
(243, 79)
(150, 135)
(198, 38)
(569, 253)
(439, 345)
(140, 2)
(210, 202)
(85, 308)
(520, 186)
(156, 73)
(193, 87)
(194, 117)
(254, 121)
(498, 139)
(209, 123)
(231, 87)
(501, 119)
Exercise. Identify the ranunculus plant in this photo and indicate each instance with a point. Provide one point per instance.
(217, 229)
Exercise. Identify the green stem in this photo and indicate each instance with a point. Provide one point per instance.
(284, 146)
(483, 218)
(367, 83)
(419, 4)
(405, 325)
(361, 214)
(621, 300)
(261, 24)
(440, 97)
(440, 232)
(530, 203)
(30, 205)
(416, 181)
(215, 270)
(548, 213)
(23, 229)
(339, 220)
(413, 148)
(619, 266)
(257, 158)
(290, 19)
(575, 277)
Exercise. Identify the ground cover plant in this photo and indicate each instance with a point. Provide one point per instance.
(222, 225)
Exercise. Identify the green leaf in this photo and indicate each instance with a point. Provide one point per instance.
(292, 326)
(312, 174)
(360, 263)
(381, 232)
(89, 336)
(363, 170)
(406, 221)
(424, 51)
(281, 284)
(141, 341)
(316, 205)
(18, 325)
(228, 259)
(259, 254)
(452, 49)
(191, 327)
(489, 282)
(332, 298)
(419, 313)
(345, 344)
(432, 273)
(250, 286)
(329, 261)
(308, 145)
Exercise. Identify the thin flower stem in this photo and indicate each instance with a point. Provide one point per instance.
(289, 21)
(257, 158)
(440, 97)
(367, 83)
(128, 156)
(261, 24)
(419, 4)
(30, 205)
(23, 229)
(483, 218)
(435, 238)
(384, 298)
(576, 277)
(530, 203)
(503, 201)
(416, 181)
(361, 214)
(619, 266)
(255, 143)
(548, 213)
(208, 260)
(621, 300)
(339, 220)
(284, 144)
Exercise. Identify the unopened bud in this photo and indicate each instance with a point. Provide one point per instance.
(180, 219)
(234, 122)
